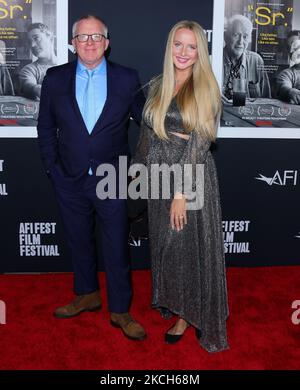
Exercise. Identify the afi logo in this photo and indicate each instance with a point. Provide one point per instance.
(280, 180)
(296, 315)
(136, 241)
(2, 313)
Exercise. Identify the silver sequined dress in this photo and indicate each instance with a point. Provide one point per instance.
(188, 268)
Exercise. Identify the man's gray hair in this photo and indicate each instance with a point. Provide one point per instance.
(241, 19)
(40, 26)
(87, 17)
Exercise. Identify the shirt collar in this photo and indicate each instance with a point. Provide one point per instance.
(100, 69)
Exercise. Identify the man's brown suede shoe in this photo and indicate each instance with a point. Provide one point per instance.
(131, 329)
(87, 302)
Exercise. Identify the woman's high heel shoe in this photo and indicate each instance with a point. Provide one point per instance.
(173, 338)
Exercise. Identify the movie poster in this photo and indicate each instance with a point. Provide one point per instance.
(259, 68)
(30, 36)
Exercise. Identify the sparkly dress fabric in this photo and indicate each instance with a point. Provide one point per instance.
(188, 269)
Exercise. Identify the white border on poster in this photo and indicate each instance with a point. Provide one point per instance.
(62, 57)
(217, 64)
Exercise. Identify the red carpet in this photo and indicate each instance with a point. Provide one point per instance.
(261, 334)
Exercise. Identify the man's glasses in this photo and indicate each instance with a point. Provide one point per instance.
(85, 37)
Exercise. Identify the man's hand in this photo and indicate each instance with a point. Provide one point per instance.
(294, 96)
(178, 217)
(226, 101)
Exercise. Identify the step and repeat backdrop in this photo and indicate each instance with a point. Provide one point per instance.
(257, 151)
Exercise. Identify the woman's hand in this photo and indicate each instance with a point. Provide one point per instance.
(178, 217)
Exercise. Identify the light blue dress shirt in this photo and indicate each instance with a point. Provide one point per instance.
(100, 87)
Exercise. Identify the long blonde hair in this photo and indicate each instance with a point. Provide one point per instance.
(199, 99)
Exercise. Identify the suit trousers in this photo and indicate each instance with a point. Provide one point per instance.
(79, 207)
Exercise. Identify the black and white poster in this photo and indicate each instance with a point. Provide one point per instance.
(258, 67)
(33, 37)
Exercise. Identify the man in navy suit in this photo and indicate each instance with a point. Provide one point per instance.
(84, 111)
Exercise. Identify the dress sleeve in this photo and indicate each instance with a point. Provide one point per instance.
(190, 181)
(138, 171)
(142, 148)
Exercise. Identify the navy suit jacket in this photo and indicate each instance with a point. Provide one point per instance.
(62, 135)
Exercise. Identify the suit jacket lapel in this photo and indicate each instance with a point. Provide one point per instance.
(73, 96)
(107, 106)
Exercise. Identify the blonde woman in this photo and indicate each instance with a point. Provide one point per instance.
(179, 123)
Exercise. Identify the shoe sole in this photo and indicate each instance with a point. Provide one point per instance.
(174, 340)
(115, 325)
(66, 316)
